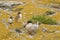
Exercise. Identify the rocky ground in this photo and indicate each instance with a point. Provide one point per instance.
(29, 9)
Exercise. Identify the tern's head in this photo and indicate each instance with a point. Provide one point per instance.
(29, 22)
(19, 13)
(11, 17)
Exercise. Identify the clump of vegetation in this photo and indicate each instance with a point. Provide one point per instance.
(43, 19)
(50, 12)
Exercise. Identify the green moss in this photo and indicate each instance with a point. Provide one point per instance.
(43, 19)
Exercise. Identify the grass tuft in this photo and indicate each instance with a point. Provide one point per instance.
(43, 19)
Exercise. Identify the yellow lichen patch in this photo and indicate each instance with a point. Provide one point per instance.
(57, 16)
